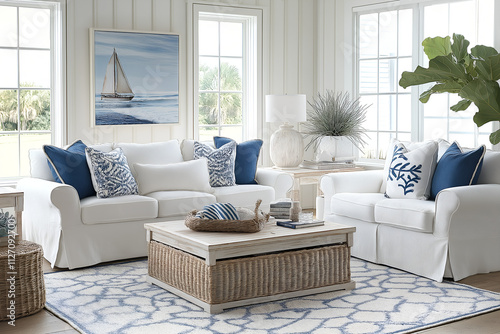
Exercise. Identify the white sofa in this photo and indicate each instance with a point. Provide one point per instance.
(77, 233)
(455, 236)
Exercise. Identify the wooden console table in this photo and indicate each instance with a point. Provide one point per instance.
(302, 176)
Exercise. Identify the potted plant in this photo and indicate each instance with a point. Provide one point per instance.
(335, 125)
(473, 76)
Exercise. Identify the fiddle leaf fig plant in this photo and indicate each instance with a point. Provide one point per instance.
(473, 76)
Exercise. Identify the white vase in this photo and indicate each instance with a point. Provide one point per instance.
(335, 148)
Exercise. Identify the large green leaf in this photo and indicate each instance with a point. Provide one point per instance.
(489, 69)
(459, 47)
(483, 52)
(441, 69)
(486, 96)
(461, 105)
(448, 87)
(436, 46)
(495, 137)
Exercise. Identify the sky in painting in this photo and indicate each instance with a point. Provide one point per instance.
(150, 60)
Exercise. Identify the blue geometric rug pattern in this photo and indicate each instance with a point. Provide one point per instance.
(117, 299)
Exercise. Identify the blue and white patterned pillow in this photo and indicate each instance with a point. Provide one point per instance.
(111, 174)
(410, 171)
(218, 211)
(220, 163)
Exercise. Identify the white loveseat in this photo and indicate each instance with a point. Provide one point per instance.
(77, 233)
(455, 236)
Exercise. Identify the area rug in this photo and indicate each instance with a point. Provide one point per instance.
(117, 299)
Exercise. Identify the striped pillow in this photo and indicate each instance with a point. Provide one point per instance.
(218, 211)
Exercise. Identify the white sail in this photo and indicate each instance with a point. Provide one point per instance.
(122, 85)
(116, 85)
(108, 87)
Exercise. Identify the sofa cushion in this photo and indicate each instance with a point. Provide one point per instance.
(247, 156)
(245, 195)
(39, 167)
(490, 173)
(457, 168)
(180, 203)
(410, 214)
(111, 174)
(160, 153)
(189, 175)
(410, 171)
(220, 163)
(117, 209)
(69, 166)
(356, 205)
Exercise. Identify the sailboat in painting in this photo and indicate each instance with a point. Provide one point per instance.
(116, 86)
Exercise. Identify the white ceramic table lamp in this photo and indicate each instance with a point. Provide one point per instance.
(287, 145)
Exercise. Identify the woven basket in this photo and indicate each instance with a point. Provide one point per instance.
(29, 285)
(227, 225)
(250, 276)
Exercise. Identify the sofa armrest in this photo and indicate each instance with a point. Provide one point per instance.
(352, 182)
(48, 207)
(469, 217)
(280, 181)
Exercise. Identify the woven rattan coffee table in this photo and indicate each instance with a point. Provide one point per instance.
(218, 270)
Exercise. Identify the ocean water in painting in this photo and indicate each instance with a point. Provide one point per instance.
(145, 109)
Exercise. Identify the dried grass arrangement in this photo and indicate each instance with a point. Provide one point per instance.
(217, 225)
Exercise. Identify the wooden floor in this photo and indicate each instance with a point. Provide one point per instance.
(489, 323)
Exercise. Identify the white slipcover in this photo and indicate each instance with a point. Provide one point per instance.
(76, 233)
(457, 235)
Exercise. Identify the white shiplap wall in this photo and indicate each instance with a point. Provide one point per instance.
(299, 57)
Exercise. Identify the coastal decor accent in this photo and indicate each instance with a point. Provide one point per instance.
(70, 166)
(286, 144)
(220, 162)
(411, 170)
(240, 220)
(457, 168)
(134, 77)
(117, 299)
(111, 175)
(331, 117)
(247, 157)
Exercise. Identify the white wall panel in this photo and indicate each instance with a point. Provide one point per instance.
(143, 15)
(124, 15)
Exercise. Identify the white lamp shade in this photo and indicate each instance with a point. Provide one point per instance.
(286, 108)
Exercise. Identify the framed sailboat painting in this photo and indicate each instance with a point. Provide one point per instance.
(134, 77)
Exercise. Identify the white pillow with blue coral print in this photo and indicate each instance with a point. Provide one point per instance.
(111, 175)
(220, 163)
(410, 171)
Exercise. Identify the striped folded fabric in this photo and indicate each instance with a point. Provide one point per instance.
(218, 211)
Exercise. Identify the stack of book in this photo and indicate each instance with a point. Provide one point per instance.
(280, 209)
(299, 224)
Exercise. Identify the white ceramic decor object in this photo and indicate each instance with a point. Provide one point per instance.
(287, 145)
(335, 148)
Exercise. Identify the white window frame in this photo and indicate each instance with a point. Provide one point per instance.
(349, 64)
(252, 84)
(57, 77)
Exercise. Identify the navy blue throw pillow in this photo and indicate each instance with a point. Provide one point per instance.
(247, 156)
(456, 169)
(70, 167)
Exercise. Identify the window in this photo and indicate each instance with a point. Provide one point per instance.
(226, 74)
(30, 47)
(385, 51)
(389, 42)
